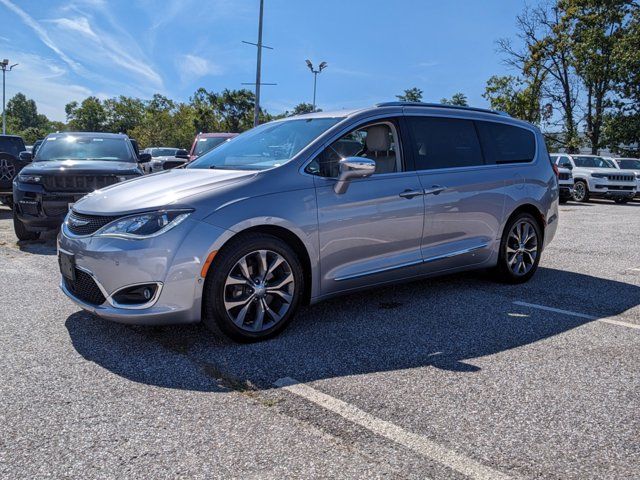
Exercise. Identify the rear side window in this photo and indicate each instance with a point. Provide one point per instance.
(503, 143)
(444, 143)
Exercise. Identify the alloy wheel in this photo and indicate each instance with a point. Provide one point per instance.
(522, 248)
(259, 290)
(579, 191)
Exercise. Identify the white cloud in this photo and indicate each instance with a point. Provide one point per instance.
(103, 47)
(40, 32)
(46, 82)
(192, 67)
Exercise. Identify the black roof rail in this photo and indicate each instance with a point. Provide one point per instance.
(439, 105)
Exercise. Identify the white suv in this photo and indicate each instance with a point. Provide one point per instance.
(632, 164)
(597, 177)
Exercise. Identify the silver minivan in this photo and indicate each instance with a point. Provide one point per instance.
(304, 208)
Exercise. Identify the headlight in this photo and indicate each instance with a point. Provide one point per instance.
(30, 178)
(144, 225)
(599, 175)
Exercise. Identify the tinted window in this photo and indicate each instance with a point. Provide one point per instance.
(630, 164)
(564, 162)
(376, 142)
(503, 143)
(591, 162)
(12, 145)
(205, 144)
(444, 143)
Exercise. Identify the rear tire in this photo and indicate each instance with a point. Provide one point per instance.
(520, 250)
(246, 297)
(581, 191)
(21, 231)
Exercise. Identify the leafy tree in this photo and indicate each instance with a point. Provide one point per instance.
(302, 108)
(123, 114)
(411, 95)
(459, 99)
(235, 108)
(599, 27)
(206, 118)
(518, 98)
(89, 116)
(547, 61)
(23, 113)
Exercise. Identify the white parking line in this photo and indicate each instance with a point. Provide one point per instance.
(413, 441)
(610, 320)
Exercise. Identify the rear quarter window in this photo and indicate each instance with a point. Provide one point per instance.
(502, 143)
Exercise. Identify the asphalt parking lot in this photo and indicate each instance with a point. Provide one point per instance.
(456, 377)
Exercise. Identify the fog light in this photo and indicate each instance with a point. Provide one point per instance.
(135, 295)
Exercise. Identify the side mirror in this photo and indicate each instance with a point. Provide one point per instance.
(144, 158)
(25, 156)
(182, 154)
(352, 168)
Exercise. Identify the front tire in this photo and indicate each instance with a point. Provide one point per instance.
(621, 200)
(520, 249)
(253, 288)
(581, 191)
(21, 231)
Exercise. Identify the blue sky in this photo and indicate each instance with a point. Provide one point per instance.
(375, 49)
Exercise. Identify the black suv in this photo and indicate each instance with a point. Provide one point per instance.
(10, 148)
(66, 167)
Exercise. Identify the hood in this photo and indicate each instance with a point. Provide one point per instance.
(608, 171)
(164, 189)
(59, 167)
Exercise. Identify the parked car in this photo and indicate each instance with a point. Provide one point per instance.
(208, 141)
(281, 216)
(66, 167)
(164, 158)
(565, 184)
(597, 177)
(632, 164)
(10, 165)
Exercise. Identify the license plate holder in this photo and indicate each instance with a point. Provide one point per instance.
(67, 264)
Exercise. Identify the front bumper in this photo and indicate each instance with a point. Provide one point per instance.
(39, 209)
(172, 260)
(566, 191)
(600, 187)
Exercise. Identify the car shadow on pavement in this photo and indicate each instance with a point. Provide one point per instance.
(444, 323)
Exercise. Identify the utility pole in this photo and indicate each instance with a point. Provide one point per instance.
(256, 113)
(5, 67)
(321, 67)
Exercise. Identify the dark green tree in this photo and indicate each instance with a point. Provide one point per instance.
(89, 116)
(411, 95)
(459, 99)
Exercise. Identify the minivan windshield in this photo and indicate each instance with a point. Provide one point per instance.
(84, 147)
(592, 162)
(269, 145)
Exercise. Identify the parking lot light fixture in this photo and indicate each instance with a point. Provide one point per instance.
(315, 72)
(5, 67)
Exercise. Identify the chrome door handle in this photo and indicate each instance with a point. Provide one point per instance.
(411, 193)
(435, 190)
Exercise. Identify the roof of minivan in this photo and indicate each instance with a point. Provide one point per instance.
(394, 108)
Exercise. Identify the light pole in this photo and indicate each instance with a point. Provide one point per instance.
(321, 67)
(258, 84)
(5, 66)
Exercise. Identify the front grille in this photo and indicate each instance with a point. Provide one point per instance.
(621, 178)
(77, 183)
(55, 210)
(564, 176)
(85, 288)
(80, 224)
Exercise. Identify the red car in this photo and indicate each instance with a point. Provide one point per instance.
(208, 141)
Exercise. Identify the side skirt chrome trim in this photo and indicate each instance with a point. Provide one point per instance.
(415, 262)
